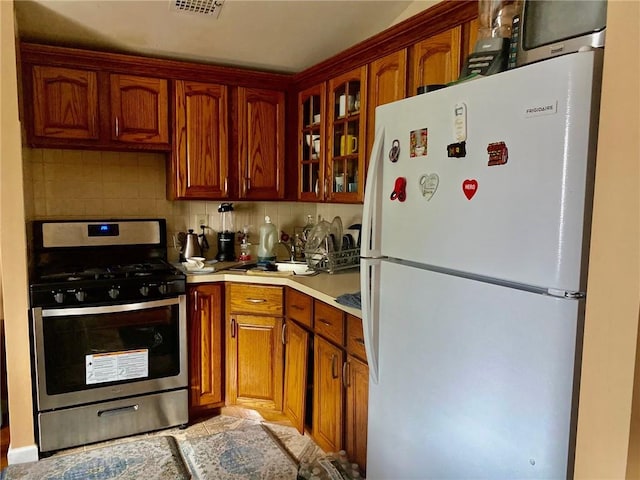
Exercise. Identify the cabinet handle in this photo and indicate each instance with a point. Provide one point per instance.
(248, 183)
(256, 300)
(233, 328)
(326, 188)
(284, 328)
(226, 184)
(117, 127)
(346, 381)
(359, 341)
(297, 307)
(322, 320)
(334, 364)
(195, 301)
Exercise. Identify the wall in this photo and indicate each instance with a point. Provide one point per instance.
(88, 184)
(12, 247)
(611, 324)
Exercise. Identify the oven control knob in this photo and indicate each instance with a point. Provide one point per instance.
(144, 290)
(81, 296)
(114, 292)
(163, 289)
(58, 297)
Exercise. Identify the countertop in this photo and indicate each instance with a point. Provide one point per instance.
(323, 286)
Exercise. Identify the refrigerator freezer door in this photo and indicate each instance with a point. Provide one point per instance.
(514, 207)
(475, 380)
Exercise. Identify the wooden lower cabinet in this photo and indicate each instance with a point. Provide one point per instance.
(296, 361)
(205, 331)
(255, 361)
(356, 412)
(328, 395)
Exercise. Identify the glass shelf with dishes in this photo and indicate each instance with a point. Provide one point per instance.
(346, 127)
(311, 143)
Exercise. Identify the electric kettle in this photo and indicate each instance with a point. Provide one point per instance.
(189, 246)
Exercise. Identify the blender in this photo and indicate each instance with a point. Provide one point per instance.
(226, 235)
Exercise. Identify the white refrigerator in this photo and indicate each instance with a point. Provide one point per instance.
(475, 243)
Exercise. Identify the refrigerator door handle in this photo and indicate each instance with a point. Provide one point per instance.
(371, 233)
(370, 296)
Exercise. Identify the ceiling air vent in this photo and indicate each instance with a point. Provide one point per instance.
(201, 7)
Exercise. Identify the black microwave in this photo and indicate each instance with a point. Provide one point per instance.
(548, 28)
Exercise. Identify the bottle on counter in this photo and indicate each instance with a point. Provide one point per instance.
(268, 242)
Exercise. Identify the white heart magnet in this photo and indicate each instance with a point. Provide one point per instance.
(428, 185)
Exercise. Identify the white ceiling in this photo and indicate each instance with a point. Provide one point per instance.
(284, 36)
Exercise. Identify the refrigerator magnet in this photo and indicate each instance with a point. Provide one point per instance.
(460, 122)
(394, 153)
(428, 184)
(498, 153)
(399, 190)
(418, 143)
(470, 187)
(457, 150)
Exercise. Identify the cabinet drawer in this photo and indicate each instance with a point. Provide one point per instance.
(260, 299)
(329, 322)
(355, 337)
(299, 307)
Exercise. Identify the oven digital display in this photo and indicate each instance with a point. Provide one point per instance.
(104, 230)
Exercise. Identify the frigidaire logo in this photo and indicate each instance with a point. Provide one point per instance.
(548, 109)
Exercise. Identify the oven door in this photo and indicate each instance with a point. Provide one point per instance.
(90, 354)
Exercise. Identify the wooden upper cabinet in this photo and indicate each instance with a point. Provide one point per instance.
(436, 60)
(346, 127)
(65, 103)
(139, 109)
(199, 166)
(311, 143)
(387, 83)
(261, 126)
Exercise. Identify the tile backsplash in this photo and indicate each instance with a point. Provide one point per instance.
(82, 184)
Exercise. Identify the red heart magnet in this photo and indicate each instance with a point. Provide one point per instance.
(469, 187)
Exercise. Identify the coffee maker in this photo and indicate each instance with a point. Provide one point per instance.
(226, 235)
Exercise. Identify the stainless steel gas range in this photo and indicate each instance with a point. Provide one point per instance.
(108, 331)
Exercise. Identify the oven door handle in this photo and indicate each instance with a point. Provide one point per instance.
(124, 307)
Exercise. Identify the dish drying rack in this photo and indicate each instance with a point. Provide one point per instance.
(333, 261)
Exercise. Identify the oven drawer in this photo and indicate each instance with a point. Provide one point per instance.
(70, 427)
(260, 299)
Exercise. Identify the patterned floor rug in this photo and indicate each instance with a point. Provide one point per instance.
(221, 447)
(247, 453)
(155, 458)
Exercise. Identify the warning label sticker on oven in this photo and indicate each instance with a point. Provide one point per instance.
(116, 366)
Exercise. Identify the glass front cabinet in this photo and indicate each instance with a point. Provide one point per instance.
(346, 149)
(332, 142)
(311, 143)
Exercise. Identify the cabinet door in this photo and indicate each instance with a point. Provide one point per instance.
(435, 60)
(261, 125)
(65, 103)
(295, 373)
(139, 109)
(346, 134)
(327, 395)
(200, 157)
(206, 373)
(387, 83)
(357, 393)
(255, 361)
(311, 143)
